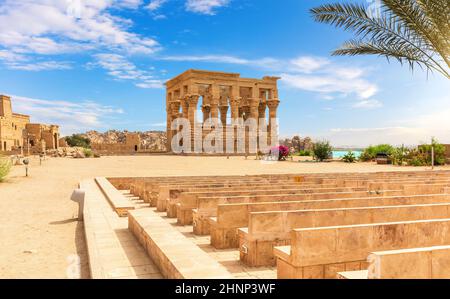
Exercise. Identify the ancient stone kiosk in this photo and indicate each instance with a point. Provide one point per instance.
(234, 113)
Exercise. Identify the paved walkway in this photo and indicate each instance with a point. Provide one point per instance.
(113, 251)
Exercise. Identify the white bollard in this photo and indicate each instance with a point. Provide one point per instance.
(78, 196)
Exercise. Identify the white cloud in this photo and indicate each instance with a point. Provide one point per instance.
(130, 4)
(16, 61)
(208, 58)
(120, 68)
(413, 130)
(72, 117)
(316, 74)
(330, 84)
(49, 27)
(368, 104)
(155, 4)
(39, 66)
(206, 7)
(308, 64)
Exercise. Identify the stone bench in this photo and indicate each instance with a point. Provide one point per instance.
(201, 210)
(118, 202)
(182, 206)
(322, 252)
(176, 256)
(314, 178)
(168, 192)
(230, 217)
(415, 263)
(144, 188)
(207, 206)
(269, 229)
(173, 192)
(343, 179)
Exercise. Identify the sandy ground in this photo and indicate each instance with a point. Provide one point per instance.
(39, 235)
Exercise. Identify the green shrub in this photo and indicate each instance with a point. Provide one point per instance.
(5, 167)
(439, 152)
(304, 153)
(371, 152)
(88, 153)
(399, 155)
(322, 150)
(349, 157)
(78, 140)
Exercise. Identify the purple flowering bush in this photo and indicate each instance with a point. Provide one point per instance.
(281, 151)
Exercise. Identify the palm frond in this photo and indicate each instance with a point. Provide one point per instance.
(403, 53)
(403, 25)
(438, 14)
(412, 15)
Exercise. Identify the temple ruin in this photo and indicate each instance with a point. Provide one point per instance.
(18, 134)
(227, 98)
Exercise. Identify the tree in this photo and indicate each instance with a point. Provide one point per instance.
(78, 140)
(412, 31)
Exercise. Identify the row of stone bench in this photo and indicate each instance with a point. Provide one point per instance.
(269, 229)
(260, 250)
(139, 186)
(198, 208)
(231, 217)
(186, 199)
(322, 252)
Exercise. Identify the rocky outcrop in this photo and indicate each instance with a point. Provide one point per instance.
(150, 140)
(296, 143)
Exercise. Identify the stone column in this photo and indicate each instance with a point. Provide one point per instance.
(173, 113)
(262, 118)
(168, 122)
(185, 107)
(223, 119)
(206, 109)
(273, 106)
(234, 103)
(215, 100)
(192, 111)
(192, 115)
(254, 104)
(253, 115)
(223, 115)
(215, 108)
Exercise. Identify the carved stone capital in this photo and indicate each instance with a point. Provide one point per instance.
(273, 104)
(235, 101)
(215, 102)
(254, 102)
(193, 99)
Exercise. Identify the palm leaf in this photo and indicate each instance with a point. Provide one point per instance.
(403, 53)
(403, 30)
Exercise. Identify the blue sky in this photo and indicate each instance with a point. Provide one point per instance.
(102, 64)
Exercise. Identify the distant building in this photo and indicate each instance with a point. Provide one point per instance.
(17, 133)
(131, 145)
